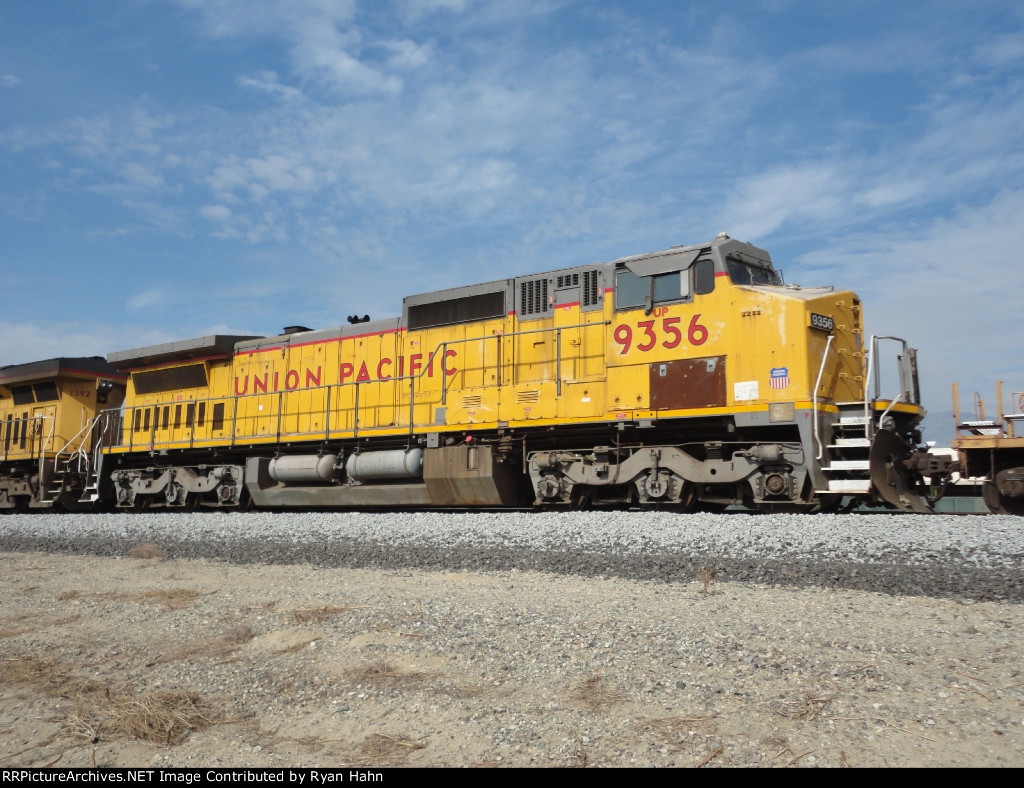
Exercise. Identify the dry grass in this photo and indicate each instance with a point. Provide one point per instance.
(382, 747)
(809, 707)
(172, 599)
(99, 711)
(148, 551)
(291, 649)
(315, 615)
(674, 728)
(711, 756)
(48, 675)
(383, 673)
(706, 575)
(161, 718)
(595, 695)
(460, 692)
(217, 647)
(65, 596)
(52, 622)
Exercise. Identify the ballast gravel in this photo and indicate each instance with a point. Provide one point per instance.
(515, 639)
(977, 557)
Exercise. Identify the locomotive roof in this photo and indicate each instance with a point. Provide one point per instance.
(317, 335)
(55, 367)
(182, 350)
(722, 242)
(648, 263)
(674, 258)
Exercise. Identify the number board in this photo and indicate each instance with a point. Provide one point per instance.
(823, 322)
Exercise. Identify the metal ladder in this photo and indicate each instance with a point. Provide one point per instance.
(73, 458)
(846, 460)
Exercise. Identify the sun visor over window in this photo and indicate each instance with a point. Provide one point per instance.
(662, 263)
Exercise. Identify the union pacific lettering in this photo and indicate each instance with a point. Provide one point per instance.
(385, 369)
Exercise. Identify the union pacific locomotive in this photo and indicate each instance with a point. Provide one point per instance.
(687, 378)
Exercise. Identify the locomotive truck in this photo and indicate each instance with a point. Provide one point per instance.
(692, 377)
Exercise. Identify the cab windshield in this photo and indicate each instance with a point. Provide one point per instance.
(746, 274)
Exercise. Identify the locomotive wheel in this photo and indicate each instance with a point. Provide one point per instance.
(689, 501)
(997, 501)
(581, 498)
(827, 504)
(20, 505)
(245, 502)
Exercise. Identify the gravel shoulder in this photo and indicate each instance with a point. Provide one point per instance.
(306, 662)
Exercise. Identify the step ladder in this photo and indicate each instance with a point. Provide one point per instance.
(846, 460)
(72, 460)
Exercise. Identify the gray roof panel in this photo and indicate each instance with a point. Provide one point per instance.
(182, 350)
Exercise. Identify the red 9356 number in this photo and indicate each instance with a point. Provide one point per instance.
(696, 334)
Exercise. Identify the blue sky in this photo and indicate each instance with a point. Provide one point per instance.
(174, 168)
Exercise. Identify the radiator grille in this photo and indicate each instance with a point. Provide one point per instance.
(457, 310)
(590, 292)
(533, 297)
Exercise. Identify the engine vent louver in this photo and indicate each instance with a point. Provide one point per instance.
(590, 291)
(457, 310)
(534, 298)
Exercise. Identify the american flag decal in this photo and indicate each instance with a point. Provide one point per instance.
(780, 377)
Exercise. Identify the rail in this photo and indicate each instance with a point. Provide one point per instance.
(814, 400)
(43, 445)
(908, 381)
(205, 422)
(86, 429)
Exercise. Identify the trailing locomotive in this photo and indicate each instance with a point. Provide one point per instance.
(50, 408)
(690, 377)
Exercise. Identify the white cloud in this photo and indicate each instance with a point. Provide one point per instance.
(323, 43)
(761, 205)
(27, 342)
(267, 82)
(1002, 50)
(407, 54)
(146, 299)
(415, 10)
(9, 80)
(215, 213)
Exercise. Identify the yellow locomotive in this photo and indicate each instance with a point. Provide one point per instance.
(690, 377)
(48, 412)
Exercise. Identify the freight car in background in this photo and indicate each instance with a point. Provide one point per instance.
(687, 378)
(992, 451)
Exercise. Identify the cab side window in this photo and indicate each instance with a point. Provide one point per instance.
(637, 292)
(631, 290)
(667, 287)
(738, 272)
(704, 277)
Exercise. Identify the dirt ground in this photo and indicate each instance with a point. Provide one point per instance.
(150, 661)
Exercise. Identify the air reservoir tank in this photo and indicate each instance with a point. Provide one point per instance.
(305, 469)
(382, 465)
